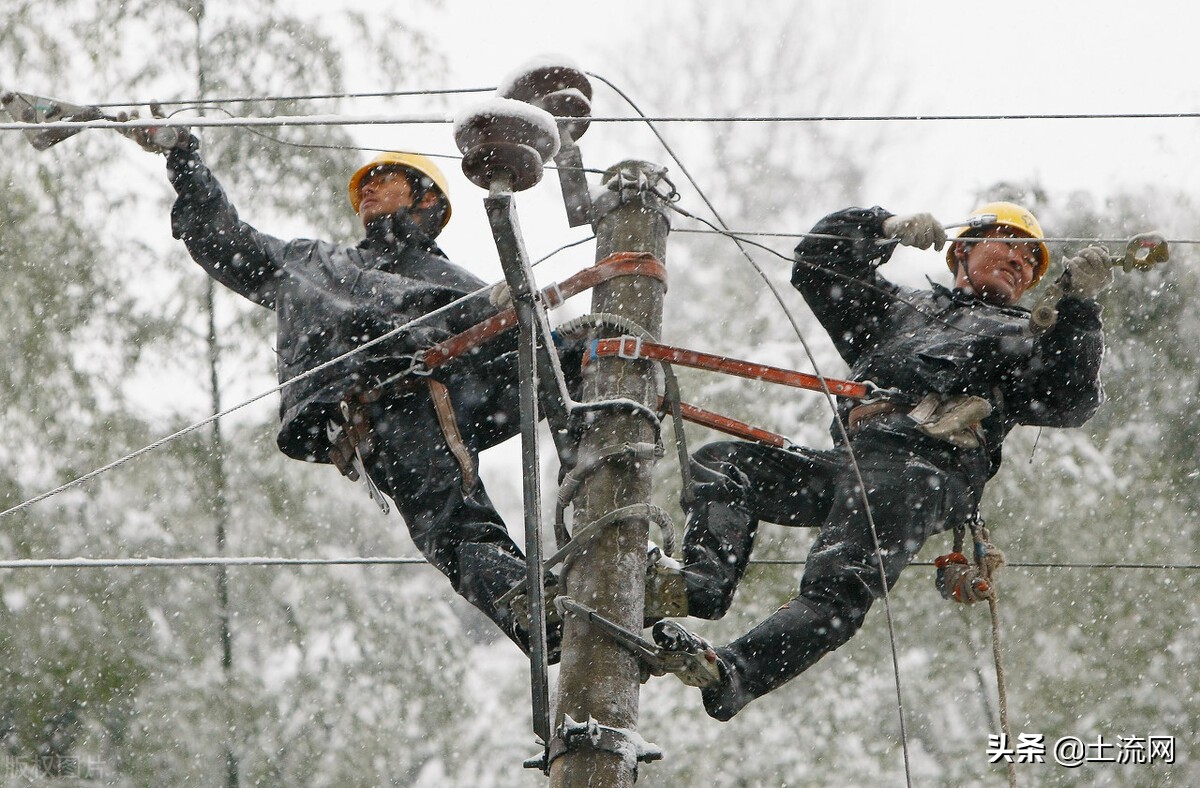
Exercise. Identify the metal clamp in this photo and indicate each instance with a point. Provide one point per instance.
(416, 367)
(572, 736)
(876, 393)
(634, 511)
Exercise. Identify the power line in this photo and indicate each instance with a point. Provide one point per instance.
(366, 120)
(853, 459)
(1051, 240)
(292, 381)
(202, 561)
(301, 97)
(1019, 564)
(266, 561)
(235, 122)
(901, 118)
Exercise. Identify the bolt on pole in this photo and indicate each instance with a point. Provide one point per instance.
(599, 679)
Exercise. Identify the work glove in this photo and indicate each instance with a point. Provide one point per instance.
(162, 139)
(167, 138)
(501, 297)
(1088, 273)
(918, 229)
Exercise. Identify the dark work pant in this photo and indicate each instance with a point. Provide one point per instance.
(740, 484)
(458, 531)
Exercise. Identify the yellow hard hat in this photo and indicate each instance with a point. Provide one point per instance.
(415, 162)
(1004, 214)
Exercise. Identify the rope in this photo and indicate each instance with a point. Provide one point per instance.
(1001, 685)
(989, 559)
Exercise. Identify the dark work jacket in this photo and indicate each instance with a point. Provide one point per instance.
(947, 341)
(329, 299)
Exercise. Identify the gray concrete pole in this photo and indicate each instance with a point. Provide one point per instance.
(598, 679)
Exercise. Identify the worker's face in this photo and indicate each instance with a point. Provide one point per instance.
(383, 193)
(998, 271)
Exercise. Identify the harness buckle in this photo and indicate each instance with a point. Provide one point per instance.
(630, 355)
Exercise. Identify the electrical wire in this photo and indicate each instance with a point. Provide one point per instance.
(360, 120)
(824, 236)
(360, 148)
(208, 561)
(300, 377)
(301, 97)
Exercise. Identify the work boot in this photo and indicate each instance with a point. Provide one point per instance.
(519, 605)
(666, 592)
(713, 673)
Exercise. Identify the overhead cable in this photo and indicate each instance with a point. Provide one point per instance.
(302, 376)
(853, 460)
(302, 97)
(207, 561)
(431, 118)
(825, 236)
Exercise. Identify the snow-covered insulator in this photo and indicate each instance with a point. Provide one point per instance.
(555, 84)
(504, 140)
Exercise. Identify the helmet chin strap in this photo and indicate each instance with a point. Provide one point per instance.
(966, 269)
(970, 281)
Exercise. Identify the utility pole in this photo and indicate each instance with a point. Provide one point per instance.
(598, 679)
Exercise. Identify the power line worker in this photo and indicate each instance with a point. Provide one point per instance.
(968, 370)
(415, 439)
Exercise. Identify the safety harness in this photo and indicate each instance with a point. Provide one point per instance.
(955, 420)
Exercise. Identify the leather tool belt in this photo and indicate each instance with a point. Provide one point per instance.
(955, 419)
(352, 439)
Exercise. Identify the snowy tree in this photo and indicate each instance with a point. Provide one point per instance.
(330, 666)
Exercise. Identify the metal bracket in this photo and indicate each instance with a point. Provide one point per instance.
(571, 179)
(572, 736)
(692, 669)
(633, 181)
(634, 511)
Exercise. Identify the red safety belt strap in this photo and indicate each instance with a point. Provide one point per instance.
(619, 264)
(628, 347)
(729, 426)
